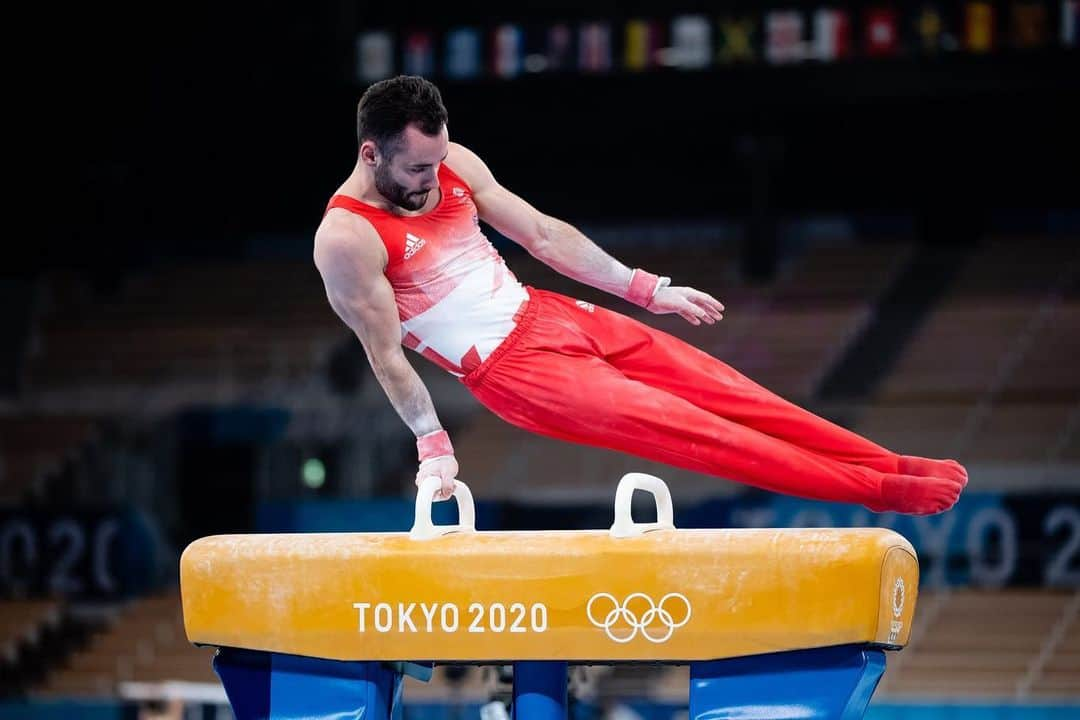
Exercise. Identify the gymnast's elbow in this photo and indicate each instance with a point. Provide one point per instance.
(543, 239)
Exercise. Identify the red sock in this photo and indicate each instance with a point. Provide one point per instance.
(928, 467)
(917, 495)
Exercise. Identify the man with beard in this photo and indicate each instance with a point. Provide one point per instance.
(405, 263)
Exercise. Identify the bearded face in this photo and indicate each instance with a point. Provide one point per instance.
(408, 170)
(402, 194)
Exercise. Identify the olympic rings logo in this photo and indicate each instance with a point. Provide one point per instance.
(654, 614)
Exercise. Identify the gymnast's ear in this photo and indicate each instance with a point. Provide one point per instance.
(369, 152)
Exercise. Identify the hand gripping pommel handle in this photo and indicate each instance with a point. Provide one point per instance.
(624, 525)
(423, 528)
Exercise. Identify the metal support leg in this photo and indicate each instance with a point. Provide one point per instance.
(823, 684)
(539, 691)
(270, 686)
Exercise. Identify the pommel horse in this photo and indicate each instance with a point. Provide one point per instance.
(776, 623)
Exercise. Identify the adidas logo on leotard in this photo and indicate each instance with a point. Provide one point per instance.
(412, 245)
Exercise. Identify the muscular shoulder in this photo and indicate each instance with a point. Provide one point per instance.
(469, 167)
(345, 237)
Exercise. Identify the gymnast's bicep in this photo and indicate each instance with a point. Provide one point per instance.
(351, 266)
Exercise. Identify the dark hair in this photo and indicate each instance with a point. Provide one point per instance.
(388, 106)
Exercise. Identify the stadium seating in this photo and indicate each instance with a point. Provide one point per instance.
(991, 375)
(32, 446)
(244, 325)
(22, 622)
(144, 643)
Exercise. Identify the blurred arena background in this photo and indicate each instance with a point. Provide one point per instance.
(885, 196)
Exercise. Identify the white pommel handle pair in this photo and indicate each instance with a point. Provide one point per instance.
(424, 529)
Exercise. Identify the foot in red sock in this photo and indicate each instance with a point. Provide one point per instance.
(928, 467)
(918, 495)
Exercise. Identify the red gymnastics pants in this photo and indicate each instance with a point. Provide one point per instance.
(578, 372)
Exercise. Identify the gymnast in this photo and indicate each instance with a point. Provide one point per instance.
(406, 264)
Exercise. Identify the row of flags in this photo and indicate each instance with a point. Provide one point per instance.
(696, 42)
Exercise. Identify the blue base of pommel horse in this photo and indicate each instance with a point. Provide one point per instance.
(773, 623)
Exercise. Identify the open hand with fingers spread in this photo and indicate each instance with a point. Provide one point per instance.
(692, 305)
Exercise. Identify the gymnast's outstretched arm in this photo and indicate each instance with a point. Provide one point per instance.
(567, 250)
(351, 259)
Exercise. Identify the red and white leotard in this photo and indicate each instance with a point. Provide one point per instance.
(456, 298)
(647, 393)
